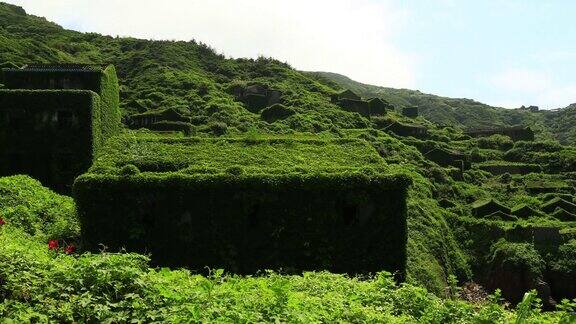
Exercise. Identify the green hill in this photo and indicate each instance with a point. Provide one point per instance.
(193, 79)
(455, 240)
(466, 113)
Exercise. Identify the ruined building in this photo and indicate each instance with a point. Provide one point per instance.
(350, 101)
(259, 203)
(516, 133)
(411, 112)
(257, 96)
(53, 118)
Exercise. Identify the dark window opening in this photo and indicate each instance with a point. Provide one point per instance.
(253, 217)
(350, 214)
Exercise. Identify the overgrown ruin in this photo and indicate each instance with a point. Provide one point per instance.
(54, 118)
(247, 204)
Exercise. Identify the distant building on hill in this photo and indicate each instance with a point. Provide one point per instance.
(411, 112)
(256, 96)
(161, 120)
(484, 208)
(379, 106)
(516, 133)
(445, 158)
(350, 101)
(53, 118)
(530, 108)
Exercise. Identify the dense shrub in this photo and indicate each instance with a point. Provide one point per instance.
(26, 204)
(495, 142)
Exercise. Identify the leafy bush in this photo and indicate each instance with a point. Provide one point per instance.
(495, 142)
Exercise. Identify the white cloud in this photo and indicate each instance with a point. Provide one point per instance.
(355, 38)
(523, 86)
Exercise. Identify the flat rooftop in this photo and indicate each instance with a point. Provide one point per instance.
(265, 155)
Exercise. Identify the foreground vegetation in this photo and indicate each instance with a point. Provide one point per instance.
(41, 282)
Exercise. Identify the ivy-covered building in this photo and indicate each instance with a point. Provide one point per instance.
(246, 204)
(53, 118)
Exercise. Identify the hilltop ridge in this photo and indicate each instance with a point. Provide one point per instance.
(466, 113)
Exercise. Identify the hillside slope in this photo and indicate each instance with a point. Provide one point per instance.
(466, 113)
(194, 79)
(448, 241)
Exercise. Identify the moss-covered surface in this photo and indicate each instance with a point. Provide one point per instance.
(252, 155)
(247, 204)
(52, 135)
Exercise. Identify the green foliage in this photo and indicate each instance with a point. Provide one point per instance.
(26, 204)
(110, 102)
(42, 286)
(258, 155)
(517, 256)
(566, 259)
(199, 83)
(496, 142)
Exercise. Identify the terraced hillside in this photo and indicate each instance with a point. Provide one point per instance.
(467, 113)
(483, 213)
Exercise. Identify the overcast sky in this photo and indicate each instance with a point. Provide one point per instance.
(502, 52)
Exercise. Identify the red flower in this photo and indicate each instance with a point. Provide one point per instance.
(53, 245)
(70, 249)
(2, 222)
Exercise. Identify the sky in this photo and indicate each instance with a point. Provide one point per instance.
(505, 53)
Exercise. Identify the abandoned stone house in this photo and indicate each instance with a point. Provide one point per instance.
(351, 102)
(53, 118)
(53, 76)
(539, 187)
(552, 205)
(411, 112)
(445, 158)
(379, 106)
(199, 214)
(516, 133)
(406, 130)
(563, 215)
(530, 108)
(511, 168)
(524, 211)
(500, 215)
(346, 94)
(486, 207)
(257, 96)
